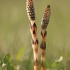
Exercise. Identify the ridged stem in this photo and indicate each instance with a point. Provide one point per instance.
(33, 30)
(44, 24)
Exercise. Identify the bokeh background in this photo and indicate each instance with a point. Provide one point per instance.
(15, 37)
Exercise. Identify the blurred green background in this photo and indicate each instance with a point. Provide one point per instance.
(15, 37)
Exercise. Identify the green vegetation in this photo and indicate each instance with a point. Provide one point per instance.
(15, 37)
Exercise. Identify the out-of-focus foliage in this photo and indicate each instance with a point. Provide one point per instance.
(15, 37)
(6, 63)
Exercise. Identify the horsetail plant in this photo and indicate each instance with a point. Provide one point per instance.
(44, 24)
(33, 29)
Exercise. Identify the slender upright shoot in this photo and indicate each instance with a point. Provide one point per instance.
(33, 30)
(44, 24)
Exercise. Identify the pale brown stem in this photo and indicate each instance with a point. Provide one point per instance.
(44, 24)
(33, 30)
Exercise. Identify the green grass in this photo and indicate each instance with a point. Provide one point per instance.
(15, 34)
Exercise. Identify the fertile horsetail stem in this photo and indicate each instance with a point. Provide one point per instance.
(33, 30)
(44, 24)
